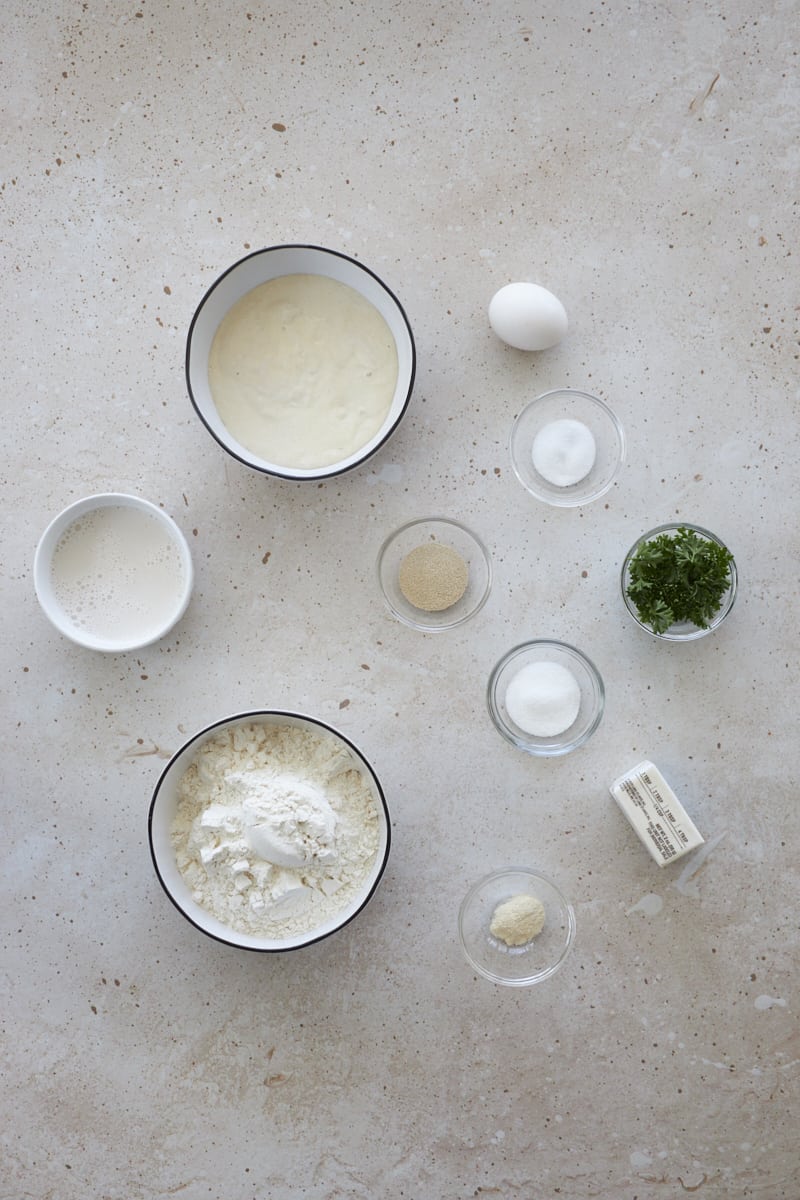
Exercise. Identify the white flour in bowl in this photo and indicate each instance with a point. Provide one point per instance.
(276, 828)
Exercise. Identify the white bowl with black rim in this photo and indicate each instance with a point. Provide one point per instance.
(164, 809)
(265, 267)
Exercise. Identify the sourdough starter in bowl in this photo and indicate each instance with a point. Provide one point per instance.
(300, 362)
(276, 830)
(303, 370)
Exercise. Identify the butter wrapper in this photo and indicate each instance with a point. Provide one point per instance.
(656, 813)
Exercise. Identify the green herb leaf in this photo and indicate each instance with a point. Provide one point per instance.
(678, 577)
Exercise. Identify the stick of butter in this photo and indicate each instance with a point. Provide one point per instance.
(655, 812)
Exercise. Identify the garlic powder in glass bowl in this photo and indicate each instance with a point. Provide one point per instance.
(527, 960)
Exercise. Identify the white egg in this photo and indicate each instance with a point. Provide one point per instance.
(527, 316)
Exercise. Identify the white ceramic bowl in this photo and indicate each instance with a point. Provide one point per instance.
(164, 806)
(131, 582)
(271, 263)
(598, 418)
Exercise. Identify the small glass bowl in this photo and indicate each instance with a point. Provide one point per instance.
(515, 966)
(598, 418)
(589, 681)
(681, 631)
(448, 533)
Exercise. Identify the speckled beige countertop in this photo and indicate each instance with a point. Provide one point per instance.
(639, 160)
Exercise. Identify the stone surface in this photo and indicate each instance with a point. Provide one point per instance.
(639, 161)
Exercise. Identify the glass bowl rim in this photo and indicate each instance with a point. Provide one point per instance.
(568, 499)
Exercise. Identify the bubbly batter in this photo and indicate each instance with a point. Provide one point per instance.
(302, 371)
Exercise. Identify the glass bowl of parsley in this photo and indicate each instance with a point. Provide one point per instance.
(679, 582)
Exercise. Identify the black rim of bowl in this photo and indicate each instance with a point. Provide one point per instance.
(322, 474)
(239, 718)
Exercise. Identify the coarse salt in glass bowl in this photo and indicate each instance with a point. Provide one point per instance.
(593, 414)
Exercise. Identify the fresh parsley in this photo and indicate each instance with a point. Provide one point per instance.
(678, 577)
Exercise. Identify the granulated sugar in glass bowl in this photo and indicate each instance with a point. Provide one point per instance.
(534, 712)
(269, 830)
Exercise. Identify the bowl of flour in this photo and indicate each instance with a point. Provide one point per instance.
(300, 361)
(269, 830)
